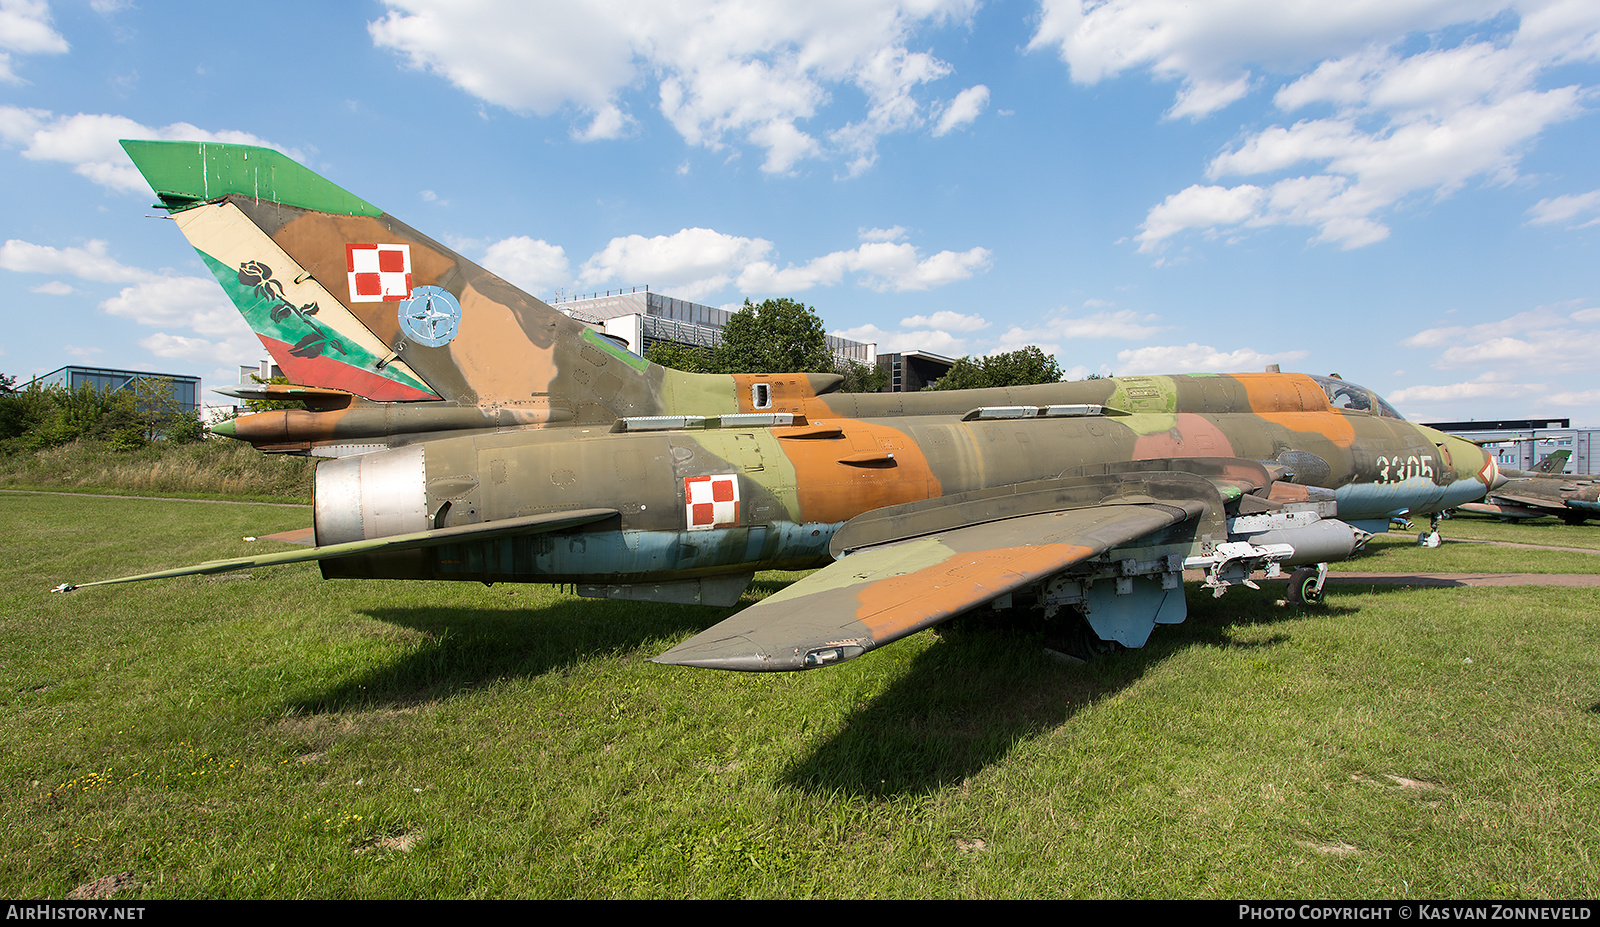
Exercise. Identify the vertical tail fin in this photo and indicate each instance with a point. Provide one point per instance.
(1555, 464)
(344, 295)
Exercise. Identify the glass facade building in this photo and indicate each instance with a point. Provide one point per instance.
(185, 389)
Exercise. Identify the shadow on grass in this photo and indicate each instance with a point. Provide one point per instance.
(461, 648)
(963, 704)
(970, 700)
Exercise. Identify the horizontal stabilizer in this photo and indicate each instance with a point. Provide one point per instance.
(316, 398)
(531, 524)
(305, 537)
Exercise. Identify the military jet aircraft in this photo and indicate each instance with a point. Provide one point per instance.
(478, 434)
(1544, 490)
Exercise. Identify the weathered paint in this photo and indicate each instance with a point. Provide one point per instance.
(1191, 435)
(868, 466)
(285, 308)
(185, 174)
(895, 605)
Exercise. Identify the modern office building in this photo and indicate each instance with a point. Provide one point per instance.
(185, 389)
(639, 318)
(1519, 444)
(910, 371)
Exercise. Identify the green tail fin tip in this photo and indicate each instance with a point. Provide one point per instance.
(186, 174)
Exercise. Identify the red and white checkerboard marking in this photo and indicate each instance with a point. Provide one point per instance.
(711, 501)
(378, 273)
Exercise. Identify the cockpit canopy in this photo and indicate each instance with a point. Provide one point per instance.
(1343, 394)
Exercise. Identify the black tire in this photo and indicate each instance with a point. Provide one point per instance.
(1303, 587)
(1072, 636)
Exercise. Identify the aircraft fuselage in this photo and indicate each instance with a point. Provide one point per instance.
(695, 502)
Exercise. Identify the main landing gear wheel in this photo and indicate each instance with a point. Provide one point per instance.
(1305, 587)
(1073, 641)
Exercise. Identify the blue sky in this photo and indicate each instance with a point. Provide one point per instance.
(1405, 192)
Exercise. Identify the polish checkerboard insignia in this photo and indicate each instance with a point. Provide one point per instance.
(378, 273)
(711, 501)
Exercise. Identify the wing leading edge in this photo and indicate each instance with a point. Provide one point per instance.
(881, 594)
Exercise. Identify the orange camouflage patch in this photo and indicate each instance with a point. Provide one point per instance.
(892, 606)
(1192, 436)
(832, 490)
(1296, 402)
(499, 351)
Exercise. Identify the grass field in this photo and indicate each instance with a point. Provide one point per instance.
(215, 468)
(274, 735)
(1461, 552)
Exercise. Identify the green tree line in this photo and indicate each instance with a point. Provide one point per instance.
(41, 416)
(786, 336)
(773, 336)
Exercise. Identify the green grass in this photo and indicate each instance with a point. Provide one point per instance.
(1547, 531)
(274, 735)
(1397, 551)
(215, 468)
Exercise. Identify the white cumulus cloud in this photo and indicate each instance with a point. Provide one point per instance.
(159, 300)
(934, 341)
(1567, 208)
(1495, 368)
(945, 318)
(25, 29)
(696, 263)
(88, 142)
(1393, 119)
(963, 111)
(881, 265)
(532, 264)
(1198, 358)
(192, 302)
(767, 73)
(1536, 342)
(90, 262)
(693, 263)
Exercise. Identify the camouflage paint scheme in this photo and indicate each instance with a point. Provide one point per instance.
(528, 448)
(1544, 490)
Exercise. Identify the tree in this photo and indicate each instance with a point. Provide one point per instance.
(23, 411)
(776, 336)
(1022, 367)
(155, 405)
(271, 405)
(861, 378)
(681, 357)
